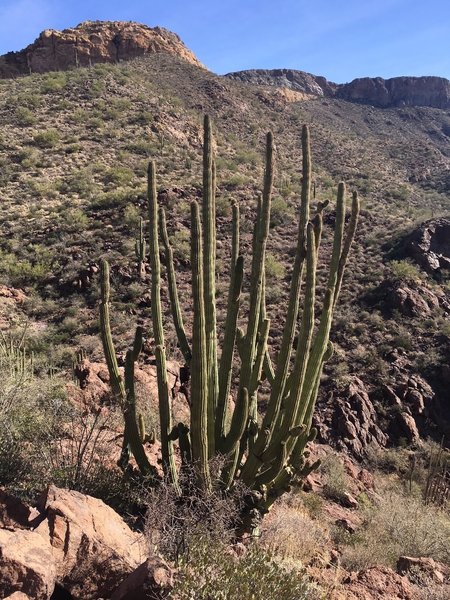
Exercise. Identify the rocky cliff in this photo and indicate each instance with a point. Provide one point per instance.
(299, 81)
(384, 93)
(89, 43)
(398, 91)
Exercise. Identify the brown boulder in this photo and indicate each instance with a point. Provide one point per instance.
(407, 426)
(26, 564)
(352, 420)
(412, 300)
(152, 579)
(433, 570)
(92, 546)
(429, 245)
(93, 387)
(15, 514)
(378, 583)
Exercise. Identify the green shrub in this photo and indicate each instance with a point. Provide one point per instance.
(118, 176)
(53, 82)
(213, 572)
(48, 138)
(280, 212)
(25, 116)
(275, 269)
(399, 524)
(405, 270)
(335, 478)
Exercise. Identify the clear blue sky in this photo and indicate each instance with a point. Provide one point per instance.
(340, 39)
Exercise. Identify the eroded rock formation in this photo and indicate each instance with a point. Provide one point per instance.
(89, 43)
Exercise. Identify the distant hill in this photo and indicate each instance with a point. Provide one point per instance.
(395, 92)
(89, 43)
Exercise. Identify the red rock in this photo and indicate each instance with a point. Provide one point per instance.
(152, 579)
(93, 548)
(378, 583)
(436, 571)
(14, 513)
(92, 42)
(26, 564)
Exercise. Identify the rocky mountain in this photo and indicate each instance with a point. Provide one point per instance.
(89, 43)
(376, 91)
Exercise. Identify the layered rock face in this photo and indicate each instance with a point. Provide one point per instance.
(291, 79)
(398, 91)
(89, 43)
(383, 93)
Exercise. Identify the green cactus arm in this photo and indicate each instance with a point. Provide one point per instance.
(116, 380)
(199, 370)
(256, 278)
(173, 291)
(132, 432)
(141, 425)
(350, 236)
(267, 476)
(140, 249)
(185, 444)
(282, 368)
(165, 413)
(167, 451)
(238, 424)
(269, 371)
(209, 277)
(226, 360)
(320, 343)
(302, 353)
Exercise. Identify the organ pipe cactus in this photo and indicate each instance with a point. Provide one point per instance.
(267, 456)
(140, 249)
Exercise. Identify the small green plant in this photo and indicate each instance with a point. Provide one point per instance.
(48, 138)
(25, 116)
(405, 270)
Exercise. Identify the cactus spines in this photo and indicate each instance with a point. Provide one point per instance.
(268, 456)
(140, 249)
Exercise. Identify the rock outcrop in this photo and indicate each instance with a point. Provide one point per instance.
(376, 91)
(92, 42)
(409, 298)
(77, 545)
(350, 422)
(397, 92)
(291, 79)
(26, 564)
(429, 245)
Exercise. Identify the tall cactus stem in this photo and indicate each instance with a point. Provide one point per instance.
(165, 413)
(209, 276)
(199, 363)
(173, 291)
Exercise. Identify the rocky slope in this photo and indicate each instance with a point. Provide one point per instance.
(89, 43)
(396, 92)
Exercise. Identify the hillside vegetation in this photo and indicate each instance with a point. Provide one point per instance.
(74, 151)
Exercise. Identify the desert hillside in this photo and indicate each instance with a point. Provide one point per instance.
(82, 112)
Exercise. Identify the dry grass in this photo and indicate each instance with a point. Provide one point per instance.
(399, 523)
(291, 534)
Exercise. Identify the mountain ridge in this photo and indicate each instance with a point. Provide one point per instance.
(93, 42)
(89, 43)
(394, 92)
